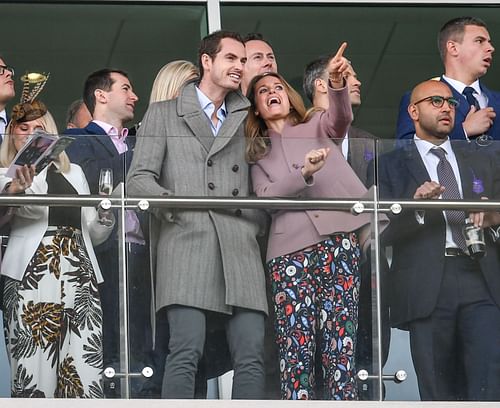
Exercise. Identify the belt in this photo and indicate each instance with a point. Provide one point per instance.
(454, 252)
(133, 247)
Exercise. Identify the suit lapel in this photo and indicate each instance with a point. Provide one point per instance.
(415, 164)
(492, 101)
(468, 179)
(463, 107)
(237, 106)
(188, 107)
(101, 137)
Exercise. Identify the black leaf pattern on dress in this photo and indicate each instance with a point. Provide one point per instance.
(94, 348)
(33, 275)
(11, 299)
(23, 344)
(95, 390)
(87, 308)
(21, 385)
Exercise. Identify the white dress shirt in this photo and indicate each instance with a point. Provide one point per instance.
(431, 161)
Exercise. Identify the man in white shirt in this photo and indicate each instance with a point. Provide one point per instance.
(444, 295)
(7, 92)
(466, 50)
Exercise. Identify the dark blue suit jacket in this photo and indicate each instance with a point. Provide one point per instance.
(405, 128)
(95, 151)
(418, 250)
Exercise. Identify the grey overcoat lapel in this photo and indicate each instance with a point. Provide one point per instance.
(188, 107)
(237, 110)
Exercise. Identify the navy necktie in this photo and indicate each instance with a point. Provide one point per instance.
(447, 179)
(471, 99)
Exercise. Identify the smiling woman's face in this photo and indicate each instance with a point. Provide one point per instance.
(271, 98)
(21, 132)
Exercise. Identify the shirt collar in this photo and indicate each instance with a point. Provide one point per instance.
(3, 116)
(460, 86)
(111, 130)
(207, 105)
(424, 147)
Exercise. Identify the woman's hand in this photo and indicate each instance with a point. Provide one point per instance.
(314, 161)
(22, 181)
(337, 66)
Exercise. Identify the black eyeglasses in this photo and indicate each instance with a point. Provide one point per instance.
(4, 68)
(438, 101)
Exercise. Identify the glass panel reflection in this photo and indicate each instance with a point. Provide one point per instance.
(176, 223)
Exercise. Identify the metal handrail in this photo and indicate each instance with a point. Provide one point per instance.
(356, 206)
(250, 202)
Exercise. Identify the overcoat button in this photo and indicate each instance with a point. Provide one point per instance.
(209, 162)
(235, 192)
(236, 168)
(211, 186)
(238, 212)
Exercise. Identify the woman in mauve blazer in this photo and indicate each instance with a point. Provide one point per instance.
(313, 256)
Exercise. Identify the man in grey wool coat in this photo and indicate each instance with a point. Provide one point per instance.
(208, 260)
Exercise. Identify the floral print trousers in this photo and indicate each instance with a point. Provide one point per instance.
(315, 293)
(53, 322)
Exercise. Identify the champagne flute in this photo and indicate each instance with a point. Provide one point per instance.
(106, 181)
(105, 188)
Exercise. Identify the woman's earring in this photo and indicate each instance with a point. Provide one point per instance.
(256, 113)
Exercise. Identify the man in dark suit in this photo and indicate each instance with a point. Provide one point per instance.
(447, 299)
(358, 148)
(105, 143)
(467, 52)
(7, 92)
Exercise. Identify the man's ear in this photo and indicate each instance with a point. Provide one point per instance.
(452, 48)
(320, 85)
(100, 96)
(413, 111)
(206, 62)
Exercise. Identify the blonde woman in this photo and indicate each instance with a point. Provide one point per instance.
(52, 311)
(171, 78)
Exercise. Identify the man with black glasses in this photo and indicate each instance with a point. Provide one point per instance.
(7, 92)
(444, 293)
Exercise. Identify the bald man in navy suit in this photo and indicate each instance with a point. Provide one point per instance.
(446, 298)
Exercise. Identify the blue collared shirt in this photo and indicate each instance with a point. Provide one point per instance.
(208, 107)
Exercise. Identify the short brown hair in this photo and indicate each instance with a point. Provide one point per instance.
(210, 45)
(454, 30)
(98, 80)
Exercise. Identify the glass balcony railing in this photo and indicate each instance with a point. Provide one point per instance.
(350, 266)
